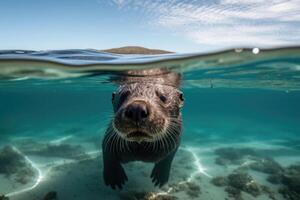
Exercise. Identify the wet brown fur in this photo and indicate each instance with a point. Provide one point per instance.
(158, 90)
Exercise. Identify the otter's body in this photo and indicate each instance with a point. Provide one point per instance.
(114, 174)
(146, 127)
(134, 151)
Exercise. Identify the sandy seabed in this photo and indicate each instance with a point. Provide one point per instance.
(245, 170)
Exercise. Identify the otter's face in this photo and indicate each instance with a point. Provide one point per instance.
(145, 111)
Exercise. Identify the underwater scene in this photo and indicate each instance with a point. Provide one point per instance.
(238, 138)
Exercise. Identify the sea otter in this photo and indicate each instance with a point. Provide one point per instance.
(146, 125)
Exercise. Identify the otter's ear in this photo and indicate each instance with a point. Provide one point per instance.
(181, 99)
(173, 79)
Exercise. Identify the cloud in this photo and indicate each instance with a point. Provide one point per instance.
(224, 22)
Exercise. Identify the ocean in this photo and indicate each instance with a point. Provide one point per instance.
(241, 125)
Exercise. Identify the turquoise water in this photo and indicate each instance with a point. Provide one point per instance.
(241, 137)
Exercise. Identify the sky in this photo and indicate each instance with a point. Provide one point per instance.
(175, 25)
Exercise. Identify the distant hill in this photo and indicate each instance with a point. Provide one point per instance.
(136, 50)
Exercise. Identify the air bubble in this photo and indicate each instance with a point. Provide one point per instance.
(255, 50)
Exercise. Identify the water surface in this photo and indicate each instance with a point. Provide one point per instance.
(241, 124)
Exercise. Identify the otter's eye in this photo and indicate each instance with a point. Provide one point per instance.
(113, 95)
(124, 96)
(162, 97)
(181, 97)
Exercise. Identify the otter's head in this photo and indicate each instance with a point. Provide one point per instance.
(146, 111)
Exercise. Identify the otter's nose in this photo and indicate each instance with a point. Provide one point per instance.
(137, 111)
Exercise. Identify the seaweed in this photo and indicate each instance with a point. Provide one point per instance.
(274, 178)
(3, 197)
(291, 180)
(244, 182)
(231, 155)
(193, 190)
(52, 195)
(289, 194)
(146, 196)
(48, 149)
(268, 191)
(14, 163)
(219, 181)
(236, 182)
(11, 161)
(266, 165)
(190, 188)
(234, 192)
(60, 150)
(236, 156)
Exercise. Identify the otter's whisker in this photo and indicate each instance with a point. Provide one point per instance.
(122, 149)
(169, 135)
(128, 145)
(110, 142)
(123, 142)
(155, 141)
(117, 143)
(147, 146)
(113, 143)
(107, 140)
(153, 146)
(162, 142)
(159, 142)
(176, 139)
(118, 148)
(166, 139)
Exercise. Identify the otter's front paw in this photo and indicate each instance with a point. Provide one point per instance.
(160, 174)
(115, 176)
